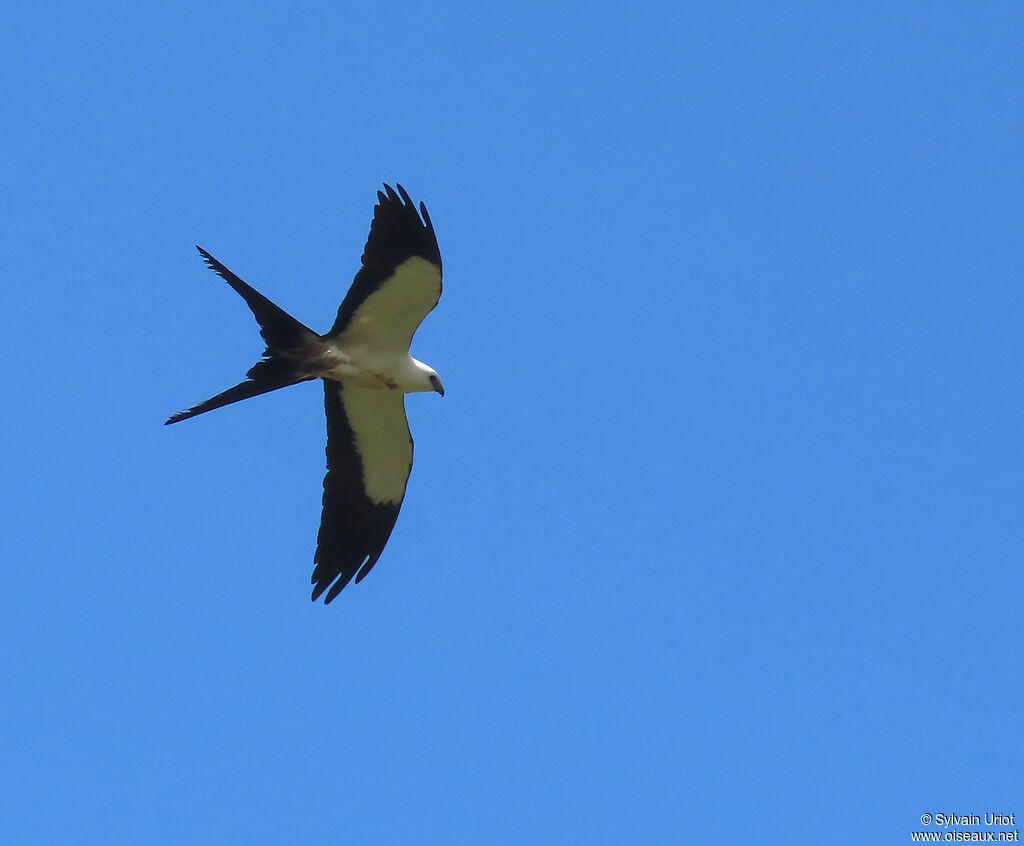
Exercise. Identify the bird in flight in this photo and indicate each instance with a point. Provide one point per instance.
(366, 368)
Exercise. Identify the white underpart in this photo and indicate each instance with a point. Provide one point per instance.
(382, 438)
(370, 367)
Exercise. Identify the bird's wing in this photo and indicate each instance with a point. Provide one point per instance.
(400, 280)
(369, 456)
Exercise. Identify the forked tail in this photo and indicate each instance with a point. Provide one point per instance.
(286, 339)
(267, 375)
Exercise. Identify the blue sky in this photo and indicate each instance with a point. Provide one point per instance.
(716, 535)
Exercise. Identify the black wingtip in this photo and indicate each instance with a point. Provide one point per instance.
(336, 585)
(339, 586)
(399, 196)
(426, 217)
(322, 581)
(209, 260)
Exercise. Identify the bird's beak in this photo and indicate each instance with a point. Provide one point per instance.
(440, 388)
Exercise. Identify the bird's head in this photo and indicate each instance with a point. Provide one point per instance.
(428, 378)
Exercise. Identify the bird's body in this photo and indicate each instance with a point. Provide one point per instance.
(350, 361)
(367, 370)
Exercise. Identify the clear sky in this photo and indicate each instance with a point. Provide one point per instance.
(716, 537)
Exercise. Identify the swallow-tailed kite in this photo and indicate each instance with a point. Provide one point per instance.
(365, 364)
